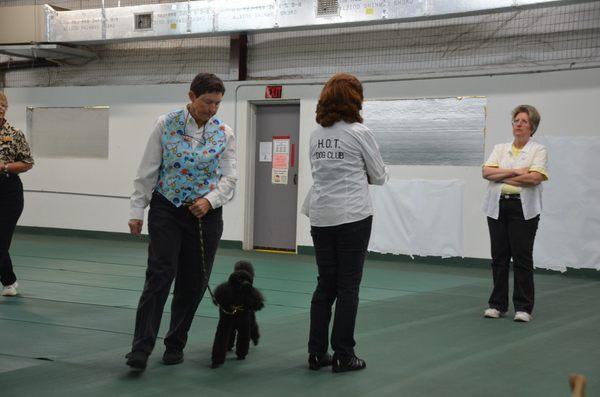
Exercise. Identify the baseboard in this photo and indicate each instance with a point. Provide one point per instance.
(92, 234)
(458, 262)
(431, 260)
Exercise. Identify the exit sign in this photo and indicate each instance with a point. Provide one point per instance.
(273, 91)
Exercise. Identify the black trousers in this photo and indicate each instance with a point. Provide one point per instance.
(175, 253)
(340, 253)
(512, 237)
(11, 207)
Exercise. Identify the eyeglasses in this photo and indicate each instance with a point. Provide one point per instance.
(517, 122)
(201, 141)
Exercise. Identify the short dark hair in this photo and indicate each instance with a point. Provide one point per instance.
(206, 82)
(341, 99)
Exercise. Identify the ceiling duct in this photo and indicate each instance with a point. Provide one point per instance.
(23, 28)
(55, 53)
(221, 17)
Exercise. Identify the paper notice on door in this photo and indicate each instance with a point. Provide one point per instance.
(265, 153)
(279, 177)
(280, 161)
(281, 145)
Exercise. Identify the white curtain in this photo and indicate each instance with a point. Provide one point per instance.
(418, 217)
(569, 230)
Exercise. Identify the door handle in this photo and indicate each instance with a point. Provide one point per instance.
(295, 179)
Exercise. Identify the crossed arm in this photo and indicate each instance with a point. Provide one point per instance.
(514, 177)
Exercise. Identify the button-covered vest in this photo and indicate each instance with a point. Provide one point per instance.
(186, 173)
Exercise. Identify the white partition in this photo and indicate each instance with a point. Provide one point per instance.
(569, 229)
(418, 217)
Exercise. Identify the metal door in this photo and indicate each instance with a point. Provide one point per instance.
(276, 177)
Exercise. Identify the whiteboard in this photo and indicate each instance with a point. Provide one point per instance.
(80, 132)
(429, 131)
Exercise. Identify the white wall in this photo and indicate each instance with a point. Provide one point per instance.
(568, 102)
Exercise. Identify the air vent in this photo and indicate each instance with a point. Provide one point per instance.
(328, 8)
(143, 21)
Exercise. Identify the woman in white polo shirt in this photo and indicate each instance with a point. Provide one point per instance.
(344, 159)
(513, 203)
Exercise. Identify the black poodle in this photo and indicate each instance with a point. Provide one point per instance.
(254, 333)
(238, 301)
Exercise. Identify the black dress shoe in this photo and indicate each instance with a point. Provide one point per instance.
(172, 357)
(137, 359)
(344, 364)
(316, 362)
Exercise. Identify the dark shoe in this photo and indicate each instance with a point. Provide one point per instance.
(137, 359)
(316, 362)
(172, 357)
(344, 364)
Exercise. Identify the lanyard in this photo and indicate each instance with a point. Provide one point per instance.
(201, 141)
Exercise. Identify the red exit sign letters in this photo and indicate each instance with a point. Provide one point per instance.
(273, 91)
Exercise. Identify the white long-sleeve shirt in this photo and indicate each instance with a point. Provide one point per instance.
(342, 157)
(147, 175)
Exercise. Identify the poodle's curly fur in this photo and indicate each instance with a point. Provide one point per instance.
(238, 301)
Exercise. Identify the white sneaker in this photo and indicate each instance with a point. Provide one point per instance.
(10, 290)
(522, 317)
(492, 313)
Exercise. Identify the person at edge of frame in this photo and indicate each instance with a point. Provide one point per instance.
(15, 158)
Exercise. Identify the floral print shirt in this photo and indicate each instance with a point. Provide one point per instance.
(13, 145)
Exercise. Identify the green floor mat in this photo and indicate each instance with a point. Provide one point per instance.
(419, 327)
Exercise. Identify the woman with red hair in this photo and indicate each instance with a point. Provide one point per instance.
(345, 159)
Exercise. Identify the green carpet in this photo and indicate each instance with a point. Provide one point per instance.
(420, 329)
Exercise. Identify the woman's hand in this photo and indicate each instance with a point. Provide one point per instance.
(200, 207)
(496, 174)
(527, 179)
(521, 171)
(135, 226)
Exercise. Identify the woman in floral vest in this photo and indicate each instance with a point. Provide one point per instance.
(187, 173)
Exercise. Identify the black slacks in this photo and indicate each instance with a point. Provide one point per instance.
(11, 207)
(340, 253)
(175, 253)
(512, 237)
